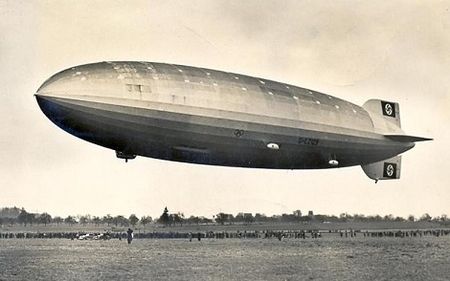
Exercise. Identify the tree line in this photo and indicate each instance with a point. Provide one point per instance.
(19, 216)
(297, 217)
(12, 216)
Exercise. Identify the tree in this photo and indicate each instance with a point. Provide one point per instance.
(10, 213)
(146, 220)
(411, 218)
(193, 220)
(57, 220)
(399, 219)
(359, 217)
(96, 220)
(22, 218)
(288, 218)
(164, 218)
(44, 218)
(239, 217)
(425, 217)
(177, 218)
(133, 219)
(297, 213)
(120, 220)
(115, 220)
(31, 218)
(222, 218)
(26, 218)
(389, 217)
(343, 217)
(261, 217)
(70, 220)
(248, 218)
(84, 219)
(108, 219)
(321, 218)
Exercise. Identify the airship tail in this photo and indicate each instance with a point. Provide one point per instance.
(388, 169)
(385, 117)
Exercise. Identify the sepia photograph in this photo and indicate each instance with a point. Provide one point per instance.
(224, 140)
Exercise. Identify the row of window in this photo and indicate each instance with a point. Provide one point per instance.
(138, 88)
(262, 82)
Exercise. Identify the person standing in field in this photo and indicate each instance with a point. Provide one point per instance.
(129, 235)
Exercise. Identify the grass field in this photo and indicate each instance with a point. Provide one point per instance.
(329, 258)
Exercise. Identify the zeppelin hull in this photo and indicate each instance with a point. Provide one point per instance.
(208, 140)
(204, 116)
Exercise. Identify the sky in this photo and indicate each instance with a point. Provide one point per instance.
(355, 50)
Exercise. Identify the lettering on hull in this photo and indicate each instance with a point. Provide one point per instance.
(308, 141)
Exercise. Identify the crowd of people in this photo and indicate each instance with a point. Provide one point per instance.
(267, 234)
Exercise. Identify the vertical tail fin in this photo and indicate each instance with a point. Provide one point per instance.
(388, 169)
(385, 116)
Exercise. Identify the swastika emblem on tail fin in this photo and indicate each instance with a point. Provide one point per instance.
(390, 170)
(388, 108)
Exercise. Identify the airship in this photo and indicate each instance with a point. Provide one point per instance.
(204, 116)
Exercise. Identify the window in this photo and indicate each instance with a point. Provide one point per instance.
(138, 88)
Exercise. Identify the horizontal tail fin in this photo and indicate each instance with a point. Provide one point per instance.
(388, 169)
(405, 138)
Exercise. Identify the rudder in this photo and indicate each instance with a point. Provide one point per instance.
(385, 116)
(388, 169)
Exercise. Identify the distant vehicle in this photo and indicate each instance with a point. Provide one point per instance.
(205, 116)
(88, 236)
(102, 236)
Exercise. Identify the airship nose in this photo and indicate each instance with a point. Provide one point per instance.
(49, 108)
(49, 97)
(61, 113)
(56, 85)
(46, 101)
